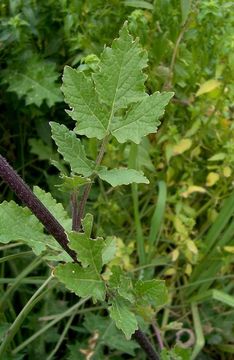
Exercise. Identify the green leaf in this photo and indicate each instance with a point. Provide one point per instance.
(142, 119)
(55, 208)
(124, 319)
(139, 4)
(83, 282)
(109, 249)
(36, 81)
(70, 147)
(89, 251)
(87, 224)
(120, 80)
(152, 292)
(185, 9)
(121, 283)
(72, 183)
(91, 117)
(42, 150)
(176, 354)
(122, 176)
(18, 223)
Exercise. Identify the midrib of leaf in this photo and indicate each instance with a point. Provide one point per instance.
(37, 83)
(114, 99)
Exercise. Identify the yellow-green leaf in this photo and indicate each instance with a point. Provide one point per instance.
(208, 86)
(182, 146)
(212, 179)
(192, 189)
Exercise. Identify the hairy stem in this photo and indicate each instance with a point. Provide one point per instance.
(145, 345)
(25, 194)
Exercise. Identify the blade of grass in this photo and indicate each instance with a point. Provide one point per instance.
(222, 220)
(61, 338)
(215, 295)
(38, 295)
(33, 265)
(200, 340)
(49, 325)
(157, 218)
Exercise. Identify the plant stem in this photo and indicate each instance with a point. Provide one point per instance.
(21, 316)
(145, 345)
(134, 187)
(25, 194)
(158, 336)
(74, 205)
(87, 188)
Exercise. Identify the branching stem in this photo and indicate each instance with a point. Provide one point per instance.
(25, 194)
(87, 188)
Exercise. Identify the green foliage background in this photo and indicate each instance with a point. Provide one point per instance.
(189, 43)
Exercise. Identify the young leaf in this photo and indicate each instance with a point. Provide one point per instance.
(124, 319)
(152, 292)
(91, 117)
(55, 208)
(72, 183)
(18, 223)
(122, 176)
(83, 282)
(87, 224)
(120, 80)
(142, 119)
(89, 251)
(70, 147)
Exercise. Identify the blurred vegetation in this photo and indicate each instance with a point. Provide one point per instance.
(185, 215)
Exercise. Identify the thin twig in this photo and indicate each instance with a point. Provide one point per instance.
(158, 335)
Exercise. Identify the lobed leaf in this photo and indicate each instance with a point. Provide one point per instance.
(152, 292)
(83, 282)
(36, 81)
(124, 319)
(54, 207)
(18, 223)
(89, 251)
(70, 147)
(120, 80)
(142, 119)
(91, 117)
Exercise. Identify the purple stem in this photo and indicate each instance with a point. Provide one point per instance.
(25, 194)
